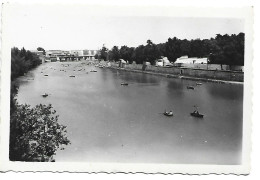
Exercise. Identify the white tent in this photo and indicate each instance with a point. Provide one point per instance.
(192, 60)
(122, 61)
(163, 62)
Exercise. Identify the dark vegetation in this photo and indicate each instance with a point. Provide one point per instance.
(35, 134)
(223, 49)
(22, 61)
(41, 49)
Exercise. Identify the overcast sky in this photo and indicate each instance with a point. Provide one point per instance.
(79, 27)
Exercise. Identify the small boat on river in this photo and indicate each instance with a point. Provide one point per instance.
(170, 113)
(45, 95)
(93, 71)
(190, 87)
(46, 75)
(72, 76)
(124, 84)
(198, 84)
(196, 114)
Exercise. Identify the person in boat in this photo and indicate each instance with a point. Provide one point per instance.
(196, 112)
(168, 113)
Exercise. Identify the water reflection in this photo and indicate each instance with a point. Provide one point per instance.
(227, 91)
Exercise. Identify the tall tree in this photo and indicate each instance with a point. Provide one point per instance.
(173, 49)
(104, 53)
(114, 53)
(151, 52)
(126, 53)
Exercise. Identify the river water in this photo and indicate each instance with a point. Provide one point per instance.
(107, 122)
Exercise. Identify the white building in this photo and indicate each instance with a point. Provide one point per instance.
(193, 60)
(76, 52)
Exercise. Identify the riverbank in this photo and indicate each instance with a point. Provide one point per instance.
(180, 76)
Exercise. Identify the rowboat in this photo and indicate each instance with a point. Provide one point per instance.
(196, 114)
(45, 95)
(170, 113)
(124, 84)
(190, 87)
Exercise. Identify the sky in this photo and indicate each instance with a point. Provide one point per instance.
(82, 27)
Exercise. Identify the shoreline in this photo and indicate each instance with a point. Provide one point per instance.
(178, 76)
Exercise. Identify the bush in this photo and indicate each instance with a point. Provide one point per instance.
(35, 134)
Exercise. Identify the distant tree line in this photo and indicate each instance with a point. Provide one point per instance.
(35, 134)
(223, 49)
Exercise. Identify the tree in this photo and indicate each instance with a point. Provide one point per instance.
(161, 49)
(126, 53)
(228, 50)
(138, 54)
(22, 61)
(104, 53)
(35, 134)
(151, 52)
(185, 47)
(41, 49)
(115, 53)
(173, 49)
(196, 48)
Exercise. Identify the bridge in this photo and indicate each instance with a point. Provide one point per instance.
(70, 57)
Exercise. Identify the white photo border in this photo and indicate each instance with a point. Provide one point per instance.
(245, 13)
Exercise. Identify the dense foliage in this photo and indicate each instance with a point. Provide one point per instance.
(41, 49)
(35, 134)
(22, 61)
(103, 53)
(223, 49)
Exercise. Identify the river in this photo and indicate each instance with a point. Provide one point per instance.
(107, 122)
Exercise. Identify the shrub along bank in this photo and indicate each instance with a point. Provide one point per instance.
(35, 134)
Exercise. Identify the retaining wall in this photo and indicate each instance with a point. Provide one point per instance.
(213, 67)
(191, 72)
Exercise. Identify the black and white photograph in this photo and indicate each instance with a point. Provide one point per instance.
(126, 86)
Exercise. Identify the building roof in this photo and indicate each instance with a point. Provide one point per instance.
(192, 60)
